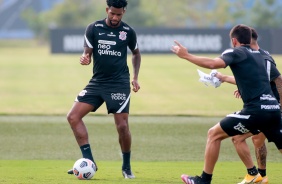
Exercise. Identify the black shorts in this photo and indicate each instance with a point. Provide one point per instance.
(117, 99)
(255, 122)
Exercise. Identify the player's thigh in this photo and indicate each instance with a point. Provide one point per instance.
(89, 98)
(240, 123)
(79, 110)
(217, 133)
(117, 100)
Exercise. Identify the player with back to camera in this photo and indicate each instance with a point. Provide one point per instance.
(107, 41)
(261, 111)
(256, 175)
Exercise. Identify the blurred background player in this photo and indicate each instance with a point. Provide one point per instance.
(107, 41)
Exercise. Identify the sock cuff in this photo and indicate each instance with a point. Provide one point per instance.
(206, 177)
(84, 146)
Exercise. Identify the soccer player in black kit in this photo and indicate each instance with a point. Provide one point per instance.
(107, 41)
(261, 111)
(256, 175)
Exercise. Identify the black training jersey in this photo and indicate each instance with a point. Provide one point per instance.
(110, 51)
(248, 67)
(272, 71)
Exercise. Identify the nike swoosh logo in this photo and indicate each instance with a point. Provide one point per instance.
(121, 103)
(86, 148)
(101, 33)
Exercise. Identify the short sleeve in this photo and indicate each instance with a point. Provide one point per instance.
(89, 36)
(231, 56)
(132, 44)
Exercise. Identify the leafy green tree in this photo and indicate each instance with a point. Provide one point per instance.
(160, 13)
(72, 13)
(135, 16)
(266, 13)
(37, 23)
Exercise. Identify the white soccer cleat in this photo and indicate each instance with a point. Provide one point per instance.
(127, 174)
(249, 179)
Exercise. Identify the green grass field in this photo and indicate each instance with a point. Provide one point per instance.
(169, 120)
(40, 149)
(35, 82)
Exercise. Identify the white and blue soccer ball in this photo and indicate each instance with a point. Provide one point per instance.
(84, 169)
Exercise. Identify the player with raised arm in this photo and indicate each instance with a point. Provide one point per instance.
(107, 41)
(275, 77)
(261, 111)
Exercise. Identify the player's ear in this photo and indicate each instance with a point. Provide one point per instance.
(107, 9)
(233, 42)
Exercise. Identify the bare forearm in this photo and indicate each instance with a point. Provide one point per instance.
(228, 79)
(136, 62)
(205, 62)
(200, 61)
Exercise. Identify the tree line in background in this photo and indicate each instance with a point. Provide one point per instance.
(160, 13)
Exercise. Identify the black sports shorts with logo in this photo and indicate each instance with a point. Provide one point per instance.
(255, 122)
(117, 99)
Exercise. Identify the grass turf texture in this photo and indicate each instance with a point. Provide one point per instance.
(40, 149)
(53, 171)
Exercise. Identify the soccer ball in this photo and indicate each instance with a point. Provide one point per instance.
(84, 169)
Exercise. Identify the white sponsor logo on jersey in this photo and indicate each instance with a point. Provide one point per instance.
(267, 97)
(111, 34)
(104, 48)
(99, 25)
(269, 107)
(107, 42)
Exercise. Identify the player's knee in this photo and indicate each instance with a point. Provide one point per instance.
(254, 139)
(234, 140)
(258, 141)
(238, 139)
(122, 128)
(213, 134)
(72, 118)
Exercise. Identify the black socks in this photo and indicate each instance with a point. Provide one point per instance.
(262, 172)
(252, 171)
(126, 161)
(86, 152)
(206, 177)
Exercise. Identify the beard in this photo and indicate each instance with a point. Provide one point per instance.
(114, 24)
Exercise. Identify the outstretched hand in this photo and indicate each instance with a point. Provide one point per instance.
(179, 50)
